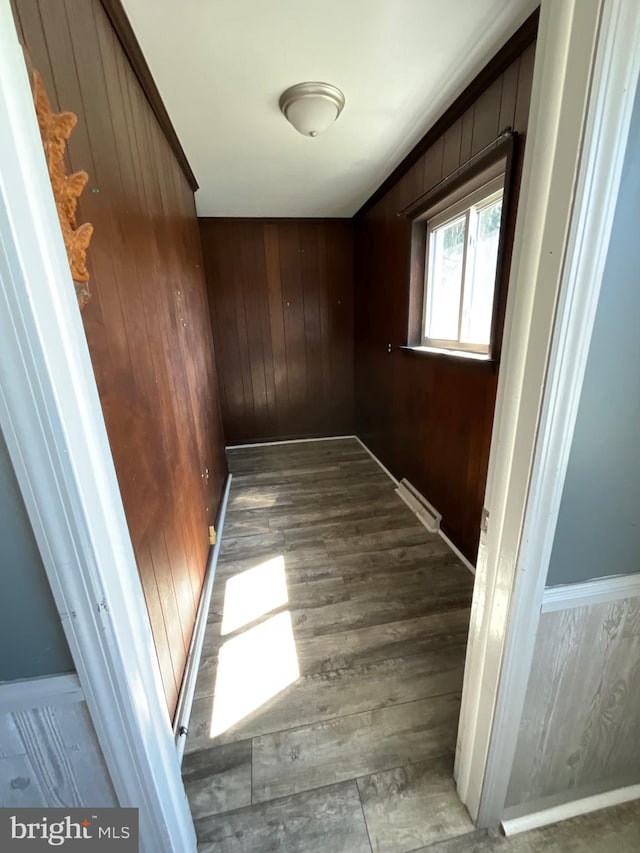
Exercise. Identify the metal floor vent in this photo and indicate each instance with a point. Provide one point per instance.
(416, 502)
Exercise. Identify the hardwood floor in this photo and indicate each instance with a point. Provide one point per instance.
(327, 701)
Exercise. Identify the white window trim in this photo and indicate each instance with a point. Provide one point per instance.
(480, 198)
(451, 352)
(52, 421)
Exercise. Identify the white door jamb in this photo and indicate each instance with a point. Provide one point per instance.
(585, 80)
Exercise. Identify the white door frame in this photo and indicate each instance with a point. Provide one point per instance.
(52, 421)
(581, 107)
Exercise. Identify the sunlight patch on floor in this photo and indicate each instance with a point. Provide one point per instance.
(255, 500)
(253, 594)
(253, 668)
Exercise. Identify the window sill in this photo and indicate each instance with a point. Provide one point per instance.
(458, 355)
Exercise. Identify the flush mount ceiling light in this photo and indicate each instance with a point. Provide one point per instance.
(311, 107)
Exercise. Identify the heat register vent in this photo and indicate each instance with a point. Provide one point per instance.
(416, 502)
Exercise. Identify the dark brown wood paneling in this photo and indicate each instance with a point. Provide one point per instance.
(452, 142)
(429, 418)
(147, 322)
(281, 296)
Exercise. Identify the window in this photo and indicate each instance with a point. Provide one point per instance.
(461, 232)
(462, 245)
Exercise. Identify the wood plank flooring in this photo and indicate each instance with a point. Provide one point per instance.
(327, 701)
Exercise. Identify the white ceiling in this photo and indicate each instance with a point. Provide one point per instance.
(221, 65)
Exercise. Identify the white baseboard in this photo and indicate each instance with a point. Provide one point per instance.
(586, 594)
(187, 690)
(458, 552)
(376, 460)
(288, 441)
(396, 482)
(569, 810)
(442, 535)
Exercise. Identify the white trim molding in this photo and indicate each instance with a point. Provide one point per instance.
(286, 441)
(185, 698)
(439, 531)
(588, 593)
(575, 808)
(457, 552)
(585, 79)
(377, 461)
(307, 440)
(53, 425)
(27, 693)
(407, 500)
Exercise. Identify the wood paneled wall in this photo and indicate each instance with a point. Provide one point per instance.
(50, 747)
(281, 296)
(147, 323)
(429, 418)
(580, 728)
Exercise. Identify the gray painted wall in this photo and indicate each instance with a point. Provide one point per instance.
(598, 531)
(32, 642)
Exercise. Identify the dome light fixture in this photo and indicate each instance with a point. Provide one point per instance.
(311, 107)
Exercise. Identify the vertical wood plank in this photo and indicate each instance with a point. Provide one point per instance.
(251, 259)
(433, 165)
(411, 185)
(508, 96)
(297, 276)
(324, 313)
(293, 310)
(310, 276)
(486, 117)
(264, 319)
(217, 266)
(452, 143)
(466, 134)
(525, 82)
(156, 619)
(276, 315)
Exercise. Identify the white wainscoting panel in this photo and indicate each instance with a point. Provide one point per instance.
(49, 753)
(580, 727)
(597, 591)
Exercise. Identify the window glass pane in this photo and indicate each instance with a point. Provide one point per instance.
(444, 283)
(480, 274)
